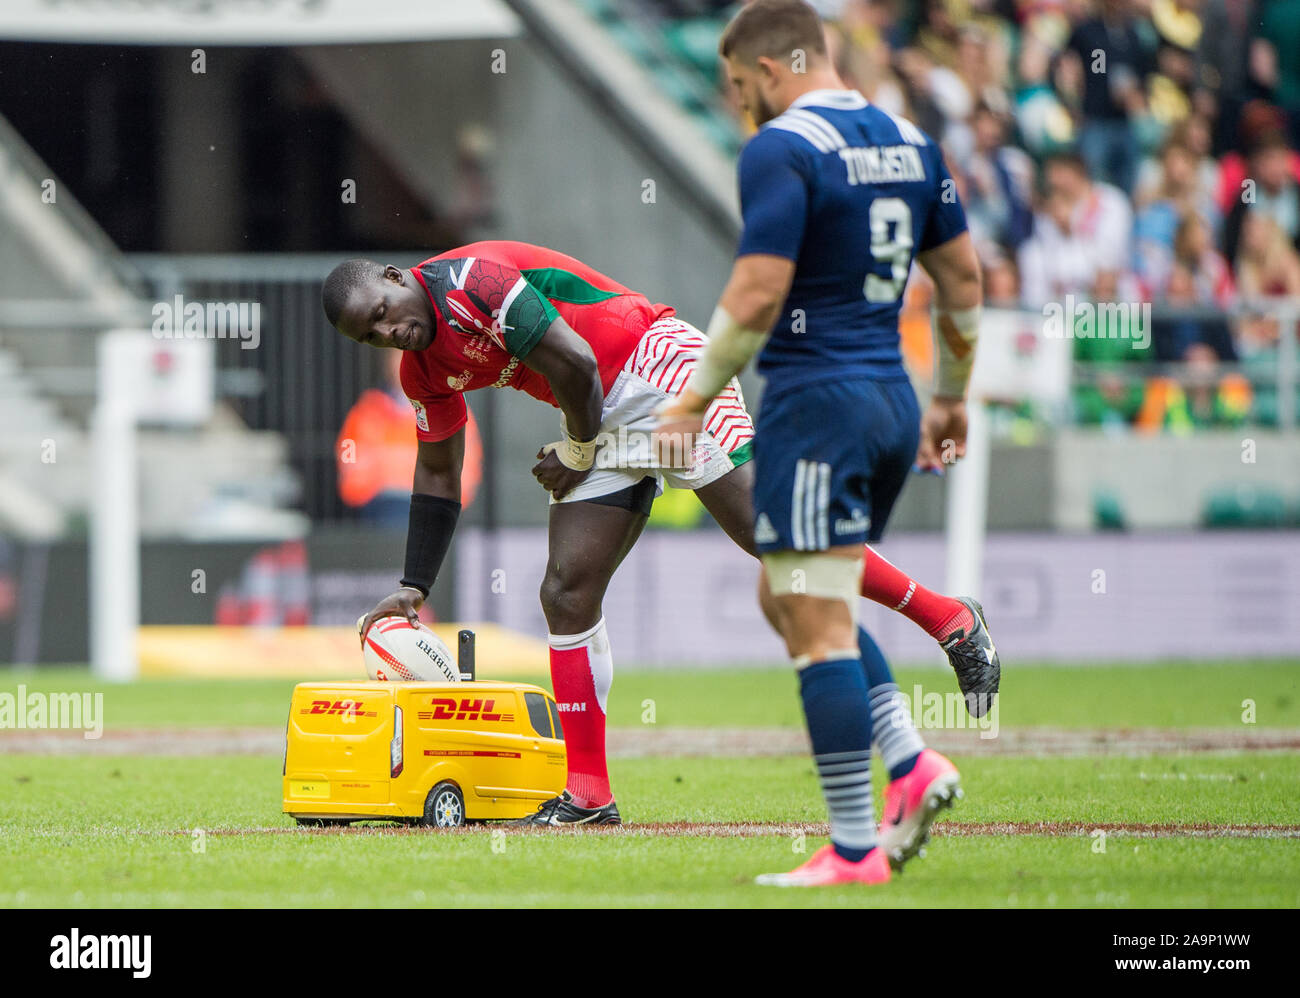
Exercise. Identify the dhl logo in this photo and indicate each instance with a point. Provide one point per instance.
(348, 708)
(465, 709)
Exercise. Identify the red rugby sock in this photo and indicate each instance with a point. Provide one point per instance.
(582, 670)
(934, 613)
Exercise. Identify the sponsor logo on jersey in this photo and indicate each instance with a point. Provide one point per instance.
(421, 415)
(507, 373)
(458, 384)
(469, 317)
(855, 524)
(572, 708)
(882, 164)
(764, 532)
(476, 348)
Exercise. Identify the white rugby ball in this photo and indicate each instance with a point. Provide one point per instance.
(397, 651)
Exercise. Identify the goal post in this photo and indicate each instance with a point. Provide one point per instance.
(966, 519)
(114, 542)
(114, 518)
(140, 378)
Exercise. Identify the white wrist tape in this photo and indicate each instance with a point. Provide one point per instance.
(579, 455)
(731, 347)
(955, 334)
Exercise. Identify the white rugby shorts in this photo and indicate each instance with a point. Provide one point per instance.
(658, 369)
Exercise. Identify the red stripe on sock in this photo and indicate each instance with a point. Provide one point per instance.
(936, 614)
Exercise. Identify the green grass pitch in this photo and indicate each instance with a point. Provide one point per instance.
(1214, 828)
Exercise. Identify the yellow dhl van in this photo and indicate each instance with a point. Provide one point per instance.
(437, 754)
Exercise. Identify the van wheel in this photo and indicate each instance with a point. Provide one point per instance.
(444, 807)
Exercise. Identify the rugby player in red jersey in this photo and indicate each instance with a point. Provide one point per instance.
(508, 314)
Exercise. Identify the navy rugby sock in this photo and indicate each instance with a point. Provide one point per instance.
(894, 735)
(837, 711)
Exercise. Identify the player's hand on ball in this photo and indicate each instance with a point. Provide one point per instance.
(405, 602)
(943, 434)
(557, 478)
(680, 420)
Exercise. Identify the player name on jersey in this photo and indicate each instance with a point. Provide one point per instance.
(882, 164)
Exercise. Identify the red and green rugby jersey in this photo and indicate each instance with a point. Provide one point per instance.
(493, 301)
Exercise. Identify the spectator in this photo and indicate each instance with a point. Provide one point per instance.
(937, 34)
(1277, 57)
(1270, 190)
(1200, 397)
(977, 66)
(1114, 62)
(1055, 260)
(974, 69)
(937, 96)
(1258, 119)
(1214, 399)
(1170, 88)
(1210, 274)
(1001, 283)
(1267, 265)
(1099, 213)
(860, 43)
(1110, 334)
(1085, 227)
(1107, 395)
(1193, 133)
(1184, 318)
(999, 182)
(376, 452)
(1044, 124)
(1156, 226)
(1222, 66)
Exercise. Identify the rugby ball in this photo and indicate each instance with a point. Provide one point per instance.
(397, 651)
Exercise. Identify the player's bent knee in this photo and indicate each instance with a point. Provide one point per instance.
(568, 608)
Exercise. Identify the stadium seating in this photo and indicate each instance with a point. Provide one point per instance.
(1245, 507)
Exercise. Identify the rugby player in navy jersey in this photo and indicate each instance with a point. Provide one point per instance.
(837, 198)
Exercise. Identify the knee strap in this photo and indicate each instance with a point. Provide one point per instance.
(814, 573)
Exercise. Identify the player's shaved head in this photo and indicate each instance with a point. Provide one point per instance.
(381, 306)
(343, 280)
(774, 29)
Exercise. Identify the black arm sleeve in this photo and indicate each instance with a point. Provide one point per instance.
(433, 521)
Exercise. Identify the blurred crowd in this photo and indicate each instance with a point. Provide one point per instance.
(1111, 151)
